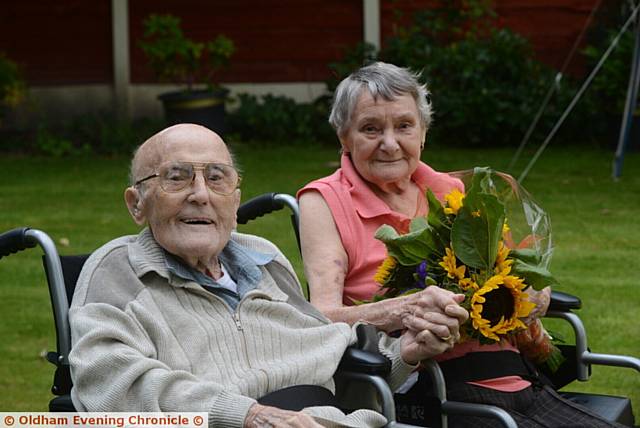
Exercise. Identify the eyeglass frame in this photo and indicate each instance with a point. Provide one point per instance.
(197, 166)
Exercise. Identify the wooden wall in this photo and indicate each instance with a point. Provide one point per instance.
(69, 41)
(58, 42)
(285, 40)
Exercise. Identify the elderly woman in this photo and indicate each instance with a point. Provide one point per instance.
(381, 115)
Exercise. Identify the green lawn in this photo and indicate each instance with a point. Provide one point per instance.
(79, 203)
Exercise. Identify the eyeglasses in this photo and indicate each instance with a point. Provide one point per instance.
(221, 178)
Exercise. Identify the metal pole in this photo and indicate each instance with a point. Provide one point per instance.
(584, 87)
(630, 106)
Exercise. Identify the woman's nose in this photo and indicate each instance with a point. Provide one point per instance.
(389, 141)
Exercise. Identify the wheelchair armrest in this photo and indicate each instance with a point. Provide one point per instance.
(361, 361)
(364, 356)
(563, 302)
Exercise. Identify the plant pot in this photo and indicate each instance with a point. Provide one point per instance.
(203, 107)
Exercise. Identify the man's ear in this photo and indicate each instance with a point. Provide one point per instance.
(133, 199)
(236, 203)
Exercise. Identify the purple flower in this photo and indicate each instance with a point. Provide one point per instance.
(421, 271)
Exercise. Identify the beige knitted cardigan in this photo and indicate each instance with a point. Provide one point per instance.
(146, 340)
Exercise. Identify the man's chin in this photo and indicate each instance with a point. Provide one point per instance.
(195, 248)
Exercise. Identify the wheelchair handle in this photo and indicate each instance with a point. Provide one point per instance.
(15, 240)
(265, 204)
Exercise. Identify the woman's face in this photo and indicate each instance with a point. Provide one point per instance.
(384, 139)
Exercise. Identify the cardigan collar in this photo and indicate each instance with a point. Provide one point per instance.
(146, 255)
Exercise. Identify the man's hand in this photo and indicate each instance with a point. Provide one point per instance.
(260, 416)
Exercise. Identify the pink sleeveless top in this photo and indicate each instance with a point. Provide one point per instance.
(358, 213)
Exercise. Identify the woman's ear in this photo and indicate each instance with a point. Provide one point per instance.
(133, 199)
(344, 147)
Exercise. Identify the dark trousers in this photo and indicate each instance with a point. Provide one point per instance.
(537, 406)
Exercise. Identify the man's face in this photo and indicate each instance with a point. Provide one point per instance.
(194, 223)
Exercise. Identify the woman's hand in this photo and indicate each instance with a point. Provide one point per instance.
(260, 416)
(541, 298)
(432, 323)
(438, 308)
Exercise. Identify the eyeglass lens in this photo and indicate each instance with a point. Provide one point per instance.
(220, 178)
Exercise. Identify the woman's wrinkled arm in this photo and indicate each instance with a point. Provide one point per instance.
(326, 265)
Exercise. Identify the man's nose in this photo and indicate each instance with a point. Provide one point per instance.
(199, 191)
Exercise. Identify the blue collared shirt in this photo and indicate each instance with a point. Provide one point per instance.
(241, 263)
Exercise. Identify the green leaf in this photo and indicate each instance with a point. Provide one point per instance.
(527, 255)
(418, 223)
(438, 220)
(477, 229)
(436, 214)
(411, 248)
(537, 277)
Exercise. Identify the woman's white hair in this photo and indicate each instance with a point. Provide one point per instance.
(381, 80)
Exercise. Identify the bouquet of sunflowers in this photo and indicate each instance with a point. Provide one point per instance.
(490, 243)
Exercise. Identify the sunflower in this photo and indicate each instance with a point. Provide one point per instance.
(454, 201)
(503, 263)
(505, 228)
(496, 308)
(467, 283)
(385, 270)
(449, 264)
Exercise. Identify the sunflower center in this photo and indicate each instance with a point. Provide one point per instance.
(499, 304)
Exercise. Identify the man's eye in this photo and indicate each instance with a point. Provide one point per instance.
(177, 175)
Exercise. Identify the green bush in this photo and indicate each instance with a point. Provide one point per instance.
(280, 119)
(610, 85)
(12, 85)
(485, 85)
(178, 59)
(100, 134)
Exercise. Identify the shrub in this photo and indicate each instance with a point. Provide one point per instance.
(610, 85)
(178, 59)
(280, 119)
(485, 85)
(100, 134)
(12, 85)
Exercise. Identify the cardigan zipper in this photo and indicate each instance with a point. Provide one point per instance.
(236, 319)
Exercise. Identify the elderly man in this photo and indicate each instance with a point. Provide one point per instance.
(191, 316)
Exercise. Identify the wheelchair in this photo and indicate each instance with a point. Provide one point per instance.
(359, 365)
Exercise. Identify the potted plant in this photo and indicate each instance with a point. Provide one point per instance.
(178, 59)
(12, 86)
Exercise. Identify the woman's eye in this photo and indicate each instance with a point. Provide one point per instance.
(370, 129)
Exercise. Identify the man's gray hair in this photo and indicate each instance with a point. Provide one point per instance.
(381, 80)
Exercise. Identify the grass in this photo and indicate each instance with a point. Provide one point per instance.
(79, 202)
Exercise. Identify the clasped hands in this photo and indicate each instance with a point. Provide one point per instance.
(431, 319)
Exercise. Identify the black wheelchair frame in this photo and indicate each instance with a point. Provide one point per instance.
(357, 365)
